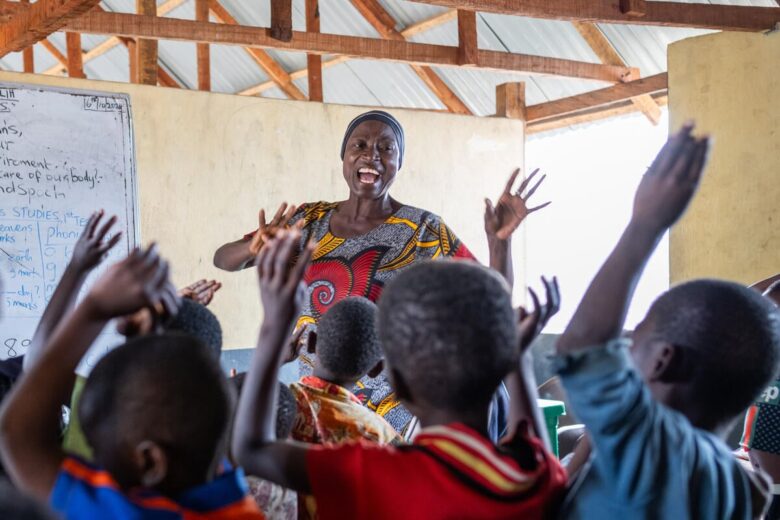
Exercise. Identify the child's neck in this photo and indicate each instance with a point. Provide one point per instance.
(326, 375)
(476, 420)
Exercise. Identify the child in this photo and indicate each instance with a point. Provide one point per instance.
(703, 352)
(347, 349)
(155, 410)
(453, 311)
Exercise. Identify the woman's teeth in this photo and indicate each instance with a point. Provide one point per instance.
(368, 175)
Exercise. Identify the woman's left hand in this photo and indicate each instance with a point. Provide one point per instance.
(511, 209)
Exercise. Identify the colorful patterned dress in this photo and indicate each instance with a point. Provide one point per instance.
(361, 266)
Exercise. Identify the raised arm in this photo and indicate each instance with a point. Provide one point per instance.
(254, 434)
(29, 419)
(661, 198)
(88, 253)
(521, 382)
(238, 255)
(503, 218)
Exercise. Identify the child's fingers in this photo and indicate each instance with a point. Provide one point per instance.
(92, 223)
(679, 167)
(114, 240)
(105, 228)
(540, 206)
(525, 182)
(535, 299)
(289, 242)
(668, 153)
(696, 167)
(160, 276)
(268, 260)
(534, 187)
(511, 181)
(296, 275)
(260, 261)
(170, 300)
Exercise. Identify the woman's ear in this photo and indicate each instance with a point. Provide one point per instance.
(151, 462)
(377, 370)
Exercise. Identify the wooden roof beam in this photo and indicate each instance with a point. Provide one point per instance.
(384, 24)
(606, 96)
(275, 72)
(314, 61)
(412, 30)
(606, 53)
(139, 26)
(666, 14)
(34, 22)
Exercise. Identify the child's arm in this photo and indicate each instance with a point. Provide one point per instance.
(88, 253)
(521, 382)
(29, 419)
(238, 255)
(502, 220)
(254, 435)
(661, 198)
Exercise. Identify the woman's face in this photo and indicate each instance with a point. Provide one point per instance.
(371, 160)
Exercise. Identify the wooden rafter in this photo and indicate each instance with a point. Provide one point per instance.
(414, 29)
(281, 20)
(146, 48)
(75, 63)
(467, 38)
(202, 49)
(113, 41)
(510, 101)
(589, 116)
(275, 72)
(34, 22)
(384, 24)
(138, 26)
(667, 14)
(606, 96)
(602, 47)
(28, 55)
(54, 51)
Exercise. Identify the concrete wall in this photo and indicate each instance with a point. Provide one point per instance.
(208, 162)
(730, 84)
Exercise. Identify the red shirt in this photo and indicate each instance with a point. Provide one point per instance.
(449, 472)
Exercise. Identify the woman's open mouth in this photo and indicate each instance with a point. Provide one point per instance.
(368, 175)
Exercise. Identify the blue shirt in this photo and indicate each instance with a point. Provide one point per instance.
(84, 491)
(648, 461)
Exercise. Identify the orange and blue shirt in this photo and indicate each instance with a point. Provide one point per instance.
(329, 413)
(450, 471)
(84, 491)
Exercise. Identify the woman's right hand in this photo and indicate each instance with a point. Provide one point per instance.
(266, 231)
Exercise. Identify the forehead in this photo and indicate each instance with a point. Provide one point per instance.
(372, 130)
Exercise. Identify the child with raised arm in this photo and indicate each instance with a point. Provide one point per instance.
(154, 410)
(453, 311)
(656, 413)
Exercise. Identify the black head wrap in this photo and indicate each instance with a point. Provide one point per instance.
(382, 117)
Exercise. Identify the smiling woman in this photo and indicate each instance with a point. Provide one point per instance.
(362, 242)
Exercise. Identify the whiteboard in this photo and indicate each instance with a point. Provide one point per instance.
(64, 154)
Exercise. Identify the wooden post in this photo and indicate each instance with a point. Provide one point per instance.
(281, 20)
(468, 51)
(27, 54)
(510, 100)
(314, 61)
(204, 54)
(146, 50)
(632, 7)
(75, 60)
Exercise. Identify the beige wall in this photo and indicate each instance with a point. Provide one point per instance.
(208, 162)
(729, 83)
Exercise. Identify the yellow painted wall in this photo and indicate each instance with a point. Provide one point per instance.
(208, 162)
(729, 83)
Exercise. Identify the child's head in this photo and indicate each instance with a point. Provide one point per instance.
(708, 348)
(286, 406)
(199, 322)
(347, 343)
(449, 335)
(155, 410)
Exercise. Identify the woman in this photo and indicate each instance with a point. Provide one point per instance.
(364, 241)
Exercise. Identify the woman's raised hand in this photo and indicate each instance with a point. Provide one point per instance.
(511, 208)
(266, 231)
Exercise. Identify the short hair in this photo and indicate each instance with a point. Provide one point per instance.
(449, 329)
(733, 336)
(165, 388)
(198, 321)
(286, 405)
(347, 339)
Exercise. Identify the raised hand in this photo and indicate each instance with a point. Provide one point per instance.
(531, 324)
(266, 231)
(511, 208)
(280, 274)
(669, 184)
(138, 281)
(91, 248)
(201, 291)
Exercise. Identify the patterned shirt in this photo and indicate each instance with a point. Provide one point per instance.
(331, 414)
(361, 266)
(84, 491)
(762, 422)
(449, 472)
